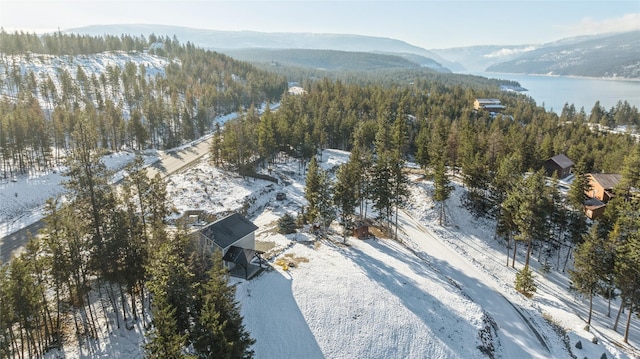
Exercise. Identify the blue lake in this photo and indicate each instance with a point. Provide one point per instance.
(555, 91)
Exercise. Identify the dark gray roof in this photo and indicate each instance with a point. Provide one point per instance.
(562, 161)
(607, 180)
(228, 230)
(593, 203)
(237, 255)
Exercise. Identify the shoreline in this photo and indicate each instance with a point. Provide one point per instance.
(617, 79)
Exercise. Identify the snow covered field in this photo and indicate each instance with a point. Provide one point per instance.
(22, 197)
(436, 295)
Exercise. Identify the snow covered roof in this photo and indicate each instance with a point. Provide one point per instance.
(228, 230)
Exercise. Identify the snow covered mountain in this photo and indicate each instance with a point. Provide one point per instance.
(614, 56)
(229, 42)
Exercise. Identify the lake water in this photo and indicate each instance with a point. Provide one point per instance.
(555, 91)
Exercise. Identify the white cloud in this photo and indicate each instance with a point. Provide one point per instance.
(589, 26)
(509, 52)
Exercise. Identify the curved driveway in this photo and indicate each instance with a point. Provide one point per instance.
(517, 336)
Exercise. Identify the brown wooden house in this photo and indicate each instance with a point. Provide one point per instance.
(602, 185)
(559, 164)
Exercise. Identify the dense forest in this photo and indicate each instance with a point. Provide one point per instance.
(100, 239)
(128, 106)
(497, 157)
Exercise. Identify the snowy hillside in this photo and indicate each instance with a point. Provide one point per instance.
(434, 295)
(46, 67)
(443, 292)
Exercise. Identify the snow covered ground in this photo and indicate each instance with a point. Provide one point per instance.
(444, 292)
(22, 197)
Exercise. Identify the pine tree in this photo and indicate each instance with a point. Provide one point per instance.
(381, 188)
(92, 194)
(286, 224)
(588, 267)
(524, 282)
(219, 332)
(442, 189)
(507, 175)
(163, 339)
(344, 193)
(400, 185)
(631, 175)
(526, 205)
(312, 190)
(172, 279)
(626, 234)
(325, 207)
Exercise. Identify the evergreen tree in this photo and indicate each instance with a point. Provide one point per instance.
(345, 193)
(361, 160)
(631, 175)
(312, 190)
(163, 339)
(399, 183)
(626, 234)
(507, 175)
(219, 332)
(286, 224)
(382, 188)
(325, 206)
(527, 206)
(588, 267)
(442, 189)
(89, 183)
(172, 279)
(524, 282)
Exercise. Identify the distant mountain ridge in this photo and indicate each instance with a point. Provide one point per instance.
(603, 55)
(335, 59)
(229, 41)
(614, 56)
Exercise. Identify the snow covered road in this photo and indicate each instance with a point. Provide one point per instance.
(517, 335)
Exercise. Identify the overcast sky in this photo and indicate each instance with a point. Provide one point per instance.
(426, 23)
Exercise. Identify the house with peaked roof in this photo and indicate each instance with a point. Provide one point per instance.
(488, 104)
(602, 185)
(234, 236)
(560, 164)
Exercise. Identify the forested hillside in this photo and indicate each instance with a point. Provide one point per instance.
(498, 158)
(116, 243)
(138, 93)
(614, 56)
(323, 59)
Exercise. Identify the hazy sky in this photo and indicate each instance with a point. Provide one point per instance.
(425, 23)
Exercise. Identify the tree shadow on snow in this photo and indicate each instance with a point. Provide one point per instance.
(272, 315)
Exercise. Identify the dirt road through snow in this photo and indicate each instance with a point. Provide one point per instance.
(517, 336)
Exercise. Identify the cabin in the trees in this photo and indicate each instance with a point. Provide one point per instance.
(488, 104)
(560, 164)
(594, 208)
(234, 236)
(601, 185)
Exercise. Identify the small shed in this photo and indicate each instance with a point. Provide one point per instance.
(361, 231)
(560, 164)
(594, 208)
